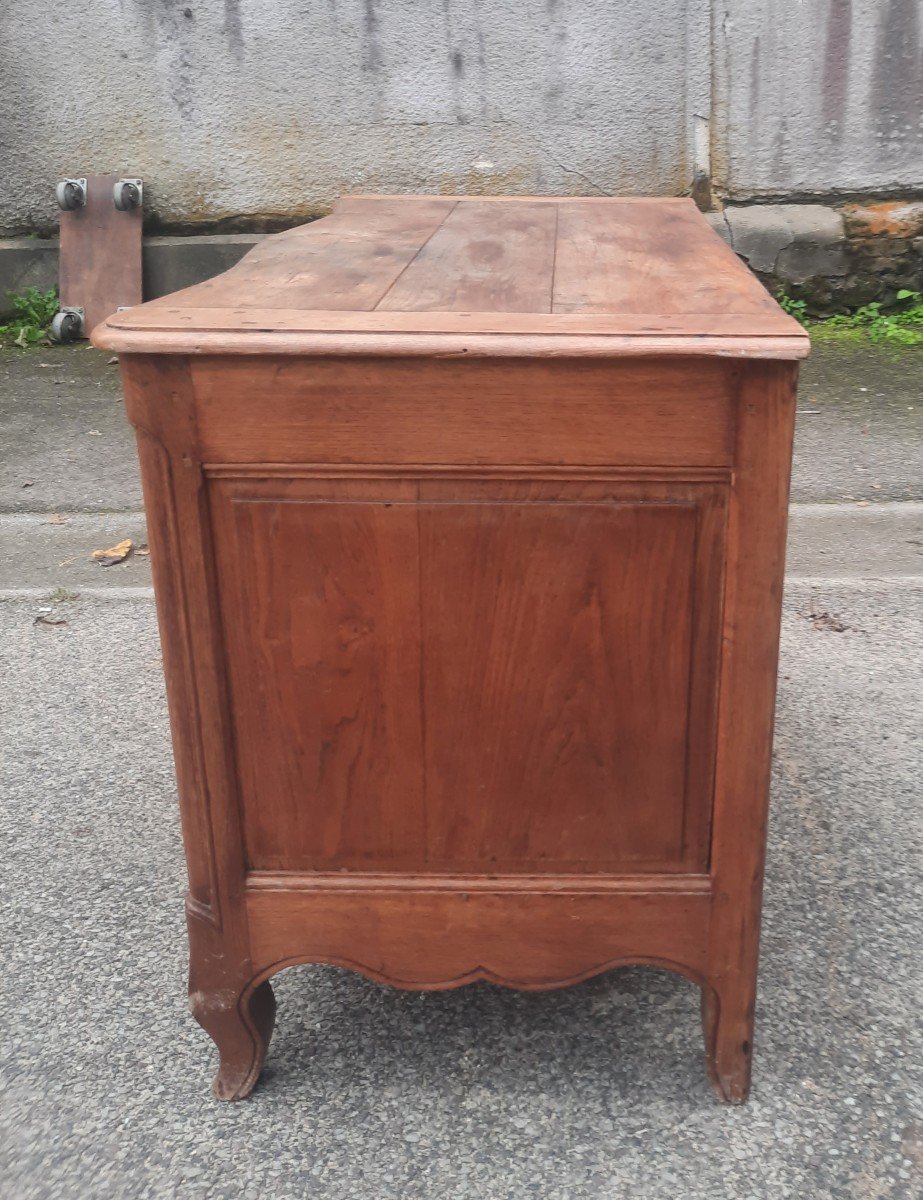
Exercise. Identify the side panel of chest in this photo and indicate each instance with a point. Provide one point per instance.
(452, 713)
(471, 675)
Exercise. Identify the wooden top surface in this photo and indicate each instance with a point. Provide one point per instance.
(441, 274)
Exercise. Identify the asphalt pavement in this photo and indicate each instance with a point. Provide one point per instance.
(593, 1091)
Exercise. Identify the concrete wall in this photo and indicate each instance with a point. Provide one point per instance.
(247, 113)
(819, 97)
(274, 107)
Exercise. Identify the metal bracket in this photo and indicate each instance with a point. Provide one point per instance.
(69, 324)
(128, 194)
(71, 194)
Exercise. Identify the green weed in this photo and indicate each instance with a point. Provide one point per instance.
(795, 308)
(900, 325)
(33, 312)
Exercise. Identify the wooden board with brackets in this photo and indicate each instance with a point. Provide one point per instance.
(100, 251)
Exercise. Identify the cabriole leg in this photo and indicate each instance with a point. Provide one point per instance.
(727, 1024)
(240, 1024)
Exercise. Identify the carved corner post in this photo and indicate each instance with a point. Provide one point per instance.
(160, 405)
(752, 613)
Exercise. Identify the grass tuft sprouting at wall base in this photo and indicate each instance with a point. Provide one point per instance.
(899, 325)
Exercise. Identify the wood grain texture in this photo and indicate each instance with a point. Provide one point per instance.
(555, 326)
(538, 653)
(352, 259)
(452, 675)
(471, 660)
(323, 410)
(712, 341)
(158, 395)
(417, 276)
(517, 884)
(100, 254)
(437, 940)
(634, 258)
(753, 606)
(321, 613)
(479, 260)
(159, 401)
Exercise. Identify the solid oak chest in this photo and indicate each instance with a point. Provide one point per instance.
(467, 521)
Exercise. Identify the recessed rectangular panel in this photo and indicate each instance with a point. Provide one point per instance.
(322, 638)
(490, 677)
(556, 644)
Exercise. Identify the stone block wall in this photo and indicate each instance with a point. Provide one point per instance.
(835, 258)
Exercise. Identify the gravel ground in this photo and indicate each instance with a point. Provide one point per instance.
(595, 1091)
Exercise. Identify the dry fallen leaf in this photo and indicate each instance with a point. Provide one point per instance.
(144, 550)
(110, 361)
(28, 483)
(45, 619)
(115, 554)
(57, 519)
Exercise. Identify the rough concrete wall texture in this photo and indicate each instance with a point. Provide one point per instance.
(275, 107)
(819, 97)
(253, 112)
(246, 113)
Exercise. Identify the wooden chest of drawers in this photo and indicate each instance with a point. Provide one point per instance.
(467, 521)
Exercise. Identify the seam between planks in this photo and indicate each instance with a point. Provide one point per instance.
(554, 258)
(409, 264)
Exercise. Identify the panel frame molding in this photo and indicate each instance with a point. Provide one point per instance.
(501, 472)
(704, 491)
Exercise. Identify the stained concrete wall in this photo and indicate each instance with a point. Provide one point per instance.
(266, 107)
(252, 112)
(819, 97)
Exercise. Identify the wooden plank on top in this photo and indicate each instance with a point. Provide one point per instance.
(247, 319)
(483, 258)
(346, 261)
(649, 258)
